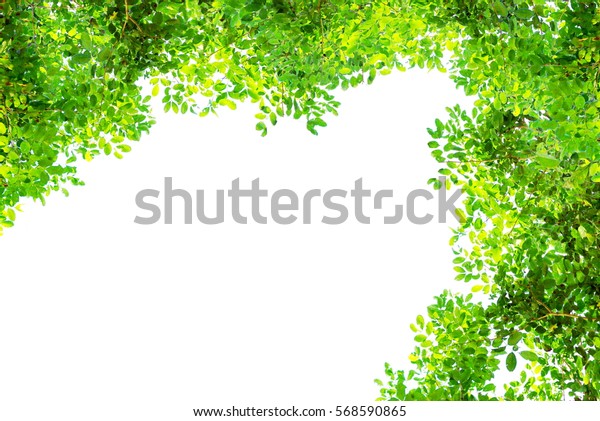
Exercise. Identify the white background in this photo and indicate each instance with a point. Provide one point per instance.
(103, 319)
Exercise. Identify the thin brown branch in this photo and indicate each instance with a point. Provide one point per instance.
(538, 301)
(126, 19)
(515, 158)
(573, 316)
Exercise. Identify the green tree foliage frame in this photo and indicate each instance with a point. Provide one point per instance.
(527, 156)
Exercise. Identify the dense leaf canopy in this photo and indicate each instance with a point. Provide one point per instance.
(527, 156)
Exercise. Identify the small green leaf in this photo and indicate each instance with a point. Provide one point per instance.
(81, 58)
(580, 101)
(86, 41)
(228, 103)
(524, 13)
(514, 338)
(261, 127)
(529, 355)
(511, 361)
(104, 54)
(25, 147)
(547, 161)
(500, 8)
(319, 122)
(11, 214)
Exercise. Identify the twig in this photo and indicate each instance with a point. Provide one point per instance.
(573, 316)
(126, 19)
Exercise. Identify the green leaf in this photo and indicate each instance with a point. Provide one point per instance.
(514, 338)
(228, 103)
(524, 13)
(86, 41)
(529, 355)
(81, 58)
(511, 361)
(11, 214)
(500, 9)
(319, 122)
(25, 147)
(461, 215)
(489, 388)
(547, 161)
(105, 54)
(261, 127)
(439, 125)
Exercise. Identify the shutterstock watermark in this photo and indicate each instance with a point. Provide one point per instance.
(285, 206)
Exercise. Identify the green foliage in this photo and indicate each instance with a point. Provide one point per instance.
(458, 353)
(527, 156)
(69, 71)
